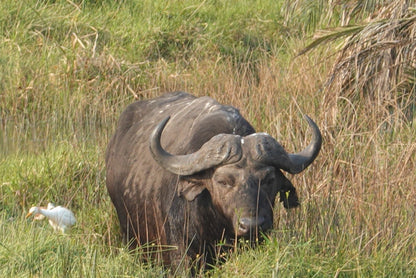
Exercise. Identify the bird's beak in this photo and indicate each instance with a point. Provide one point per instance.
(29, 214)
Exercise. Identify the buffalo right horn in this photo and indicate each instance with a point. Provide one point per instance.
(219, 149)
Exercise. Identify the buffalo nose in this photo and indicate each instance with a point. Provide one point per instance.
(246, 224)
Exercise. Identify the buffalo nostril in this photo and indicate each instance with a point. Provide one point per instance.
(243, 228)
(246, 224)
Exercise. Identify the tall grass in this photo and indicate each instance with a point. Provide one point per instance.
(67, 70)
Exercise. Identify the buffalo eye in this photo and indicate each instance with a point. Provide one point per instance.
(223, 183)
(269, 179)
(226, 181)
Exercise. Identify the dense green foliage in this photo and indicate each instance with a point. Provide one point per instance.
(68, 68)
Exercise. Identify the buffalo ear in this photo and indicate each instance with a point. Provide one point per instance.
(288, 195)
(190, 188)
(289, 198)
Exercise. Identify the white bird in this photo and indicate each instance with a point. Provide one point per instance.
(38, 216)
(59, 217)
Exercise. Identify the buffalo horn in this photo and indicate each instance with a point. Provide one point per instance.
(298, 162)
(219, 149)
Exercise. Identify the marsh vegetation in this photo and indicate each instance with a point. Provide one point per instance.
(68, 69)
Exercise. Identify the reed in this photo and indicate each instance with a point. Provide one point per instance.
(68, 68)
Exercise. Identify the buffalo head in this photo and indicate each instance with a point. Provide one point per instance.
(241, 173)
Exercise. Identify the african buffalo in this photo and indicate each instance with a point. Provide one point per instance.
(186, 172)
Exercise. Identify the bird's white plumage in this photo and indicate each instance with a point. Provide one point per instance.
(59, 217)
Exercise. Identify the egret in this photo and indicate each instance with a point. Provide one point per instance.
(59, 217)
(38, 216)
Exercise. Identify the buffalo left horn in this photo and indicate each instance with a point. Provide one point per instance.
(219, 149)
